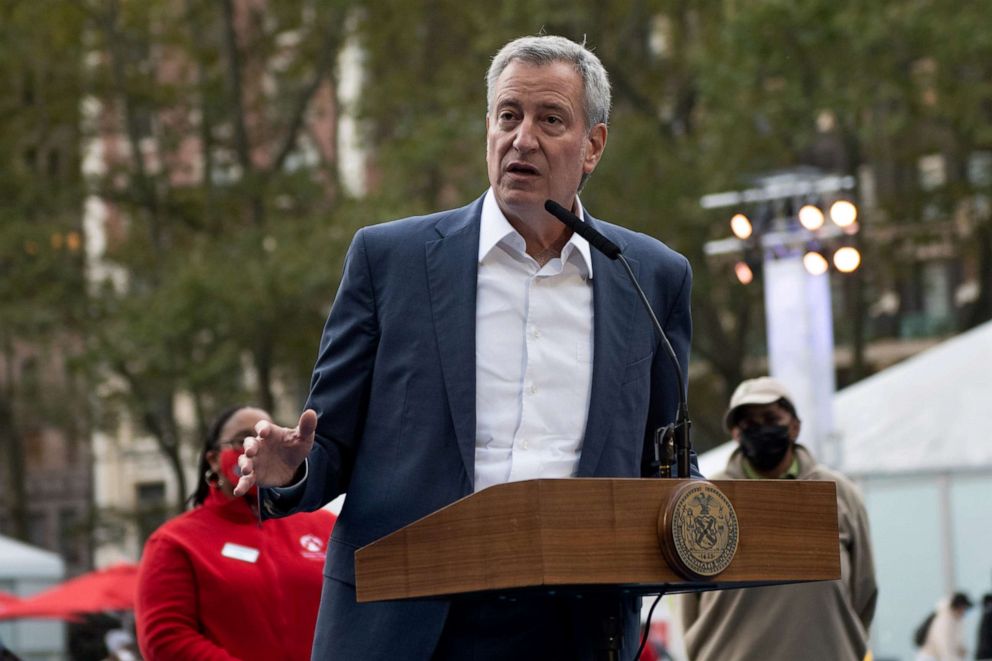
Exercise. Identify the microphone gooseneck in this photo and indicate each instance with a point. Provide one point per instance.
(612, 251)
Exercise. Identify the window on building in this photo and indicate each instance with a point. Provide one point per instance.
(927, 299)
(38, 528)
(152, 511)
(931, 171)
(980, 169)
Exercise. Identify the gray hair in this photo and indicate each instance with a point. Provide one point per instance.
(547, 49)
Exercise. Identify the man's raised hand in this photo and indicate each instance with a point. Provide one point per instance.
(274, 454)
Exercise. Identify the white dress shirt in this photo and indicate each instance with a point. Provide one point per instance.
(533, 355)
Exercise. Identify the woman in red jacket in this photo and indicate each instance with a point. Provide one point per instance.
(216, 584)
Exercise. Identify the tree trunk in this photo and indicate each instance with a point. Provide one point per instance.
(263, 366)
(12, 450)
(982, 310)
(857, 313)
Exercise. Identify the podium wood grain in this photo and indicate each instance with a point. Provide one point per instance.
(596, 532)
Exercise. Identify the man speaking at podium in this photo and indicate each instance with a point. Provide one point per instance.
(478, 346)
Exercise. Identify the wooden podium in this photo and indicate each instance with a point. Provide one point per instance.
(596, 533)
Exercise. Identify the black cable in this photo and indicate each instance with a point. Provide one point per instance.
(647, 628)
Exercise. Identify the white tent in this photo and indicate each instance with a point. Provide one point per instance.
(26, 570)
(20, 563)
(932, 412)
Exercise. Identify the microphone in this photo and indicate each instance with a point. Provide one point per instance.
(596, 239)
(683, 445)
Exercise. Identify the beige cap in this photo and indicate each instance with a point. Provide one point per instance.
(763, 390)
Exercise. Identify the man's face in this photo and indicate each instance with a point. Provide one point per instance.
(537, 144)
(765, 415)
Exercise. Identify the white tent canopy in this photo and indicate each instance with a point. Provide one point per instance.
(19, 562)
(26, 570)
(932, 412)
(715, 460)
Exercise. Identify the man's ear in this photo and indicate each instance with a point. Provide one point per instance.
(487, 135)
(794, 428)
(594, 150)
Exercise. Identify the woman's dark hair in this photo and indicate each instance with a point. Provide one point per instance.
(960, 600)
(210, 443)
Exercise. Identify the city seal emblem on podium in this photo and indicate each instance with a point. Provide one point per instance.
(699, 530)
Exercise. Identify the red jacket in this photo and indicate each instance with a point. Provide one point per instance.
(214, 584)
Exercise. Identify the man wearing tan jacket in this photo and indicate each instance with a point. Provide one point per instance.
(825, 621)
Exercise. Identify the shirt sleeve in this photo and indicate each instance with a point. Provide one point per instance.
(274, 501)
(166, 610)
(341, 385)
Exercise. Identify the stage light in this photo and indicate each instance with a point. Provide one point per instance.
(815, 263)
(843, 213)
(847, 259)
(740, 226)
(744, 273)
(811, 217)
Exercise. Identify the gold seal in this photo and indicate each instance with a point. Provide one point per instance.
(698, 530)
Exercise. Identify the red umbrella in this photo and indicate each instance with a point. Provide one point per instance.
(111, 589)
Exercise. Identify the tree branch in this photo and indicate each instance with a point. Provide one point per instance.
(234, 88)
(325, 62)
(114, 38)
(206, 120)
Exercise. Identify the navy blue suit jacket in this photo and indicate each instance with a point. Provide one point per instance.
(394, 391)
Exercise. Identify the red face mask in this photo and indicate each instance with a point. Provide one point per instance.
(230, 470)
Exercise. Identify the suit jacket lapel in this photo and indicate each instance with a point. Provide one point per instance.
(613, 299)
(452, 271)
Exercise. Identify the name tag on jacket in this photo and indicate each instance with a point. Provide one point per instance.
(239, 552)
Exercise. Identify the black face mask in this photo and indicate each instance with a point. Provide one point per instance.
(765, 446)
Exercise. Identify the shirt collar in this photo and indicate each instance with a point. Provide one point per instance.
(235, 509)
(496, 228)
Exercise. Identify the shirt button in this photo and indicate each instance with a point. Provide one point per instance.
(525, 445)
(532, 389)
